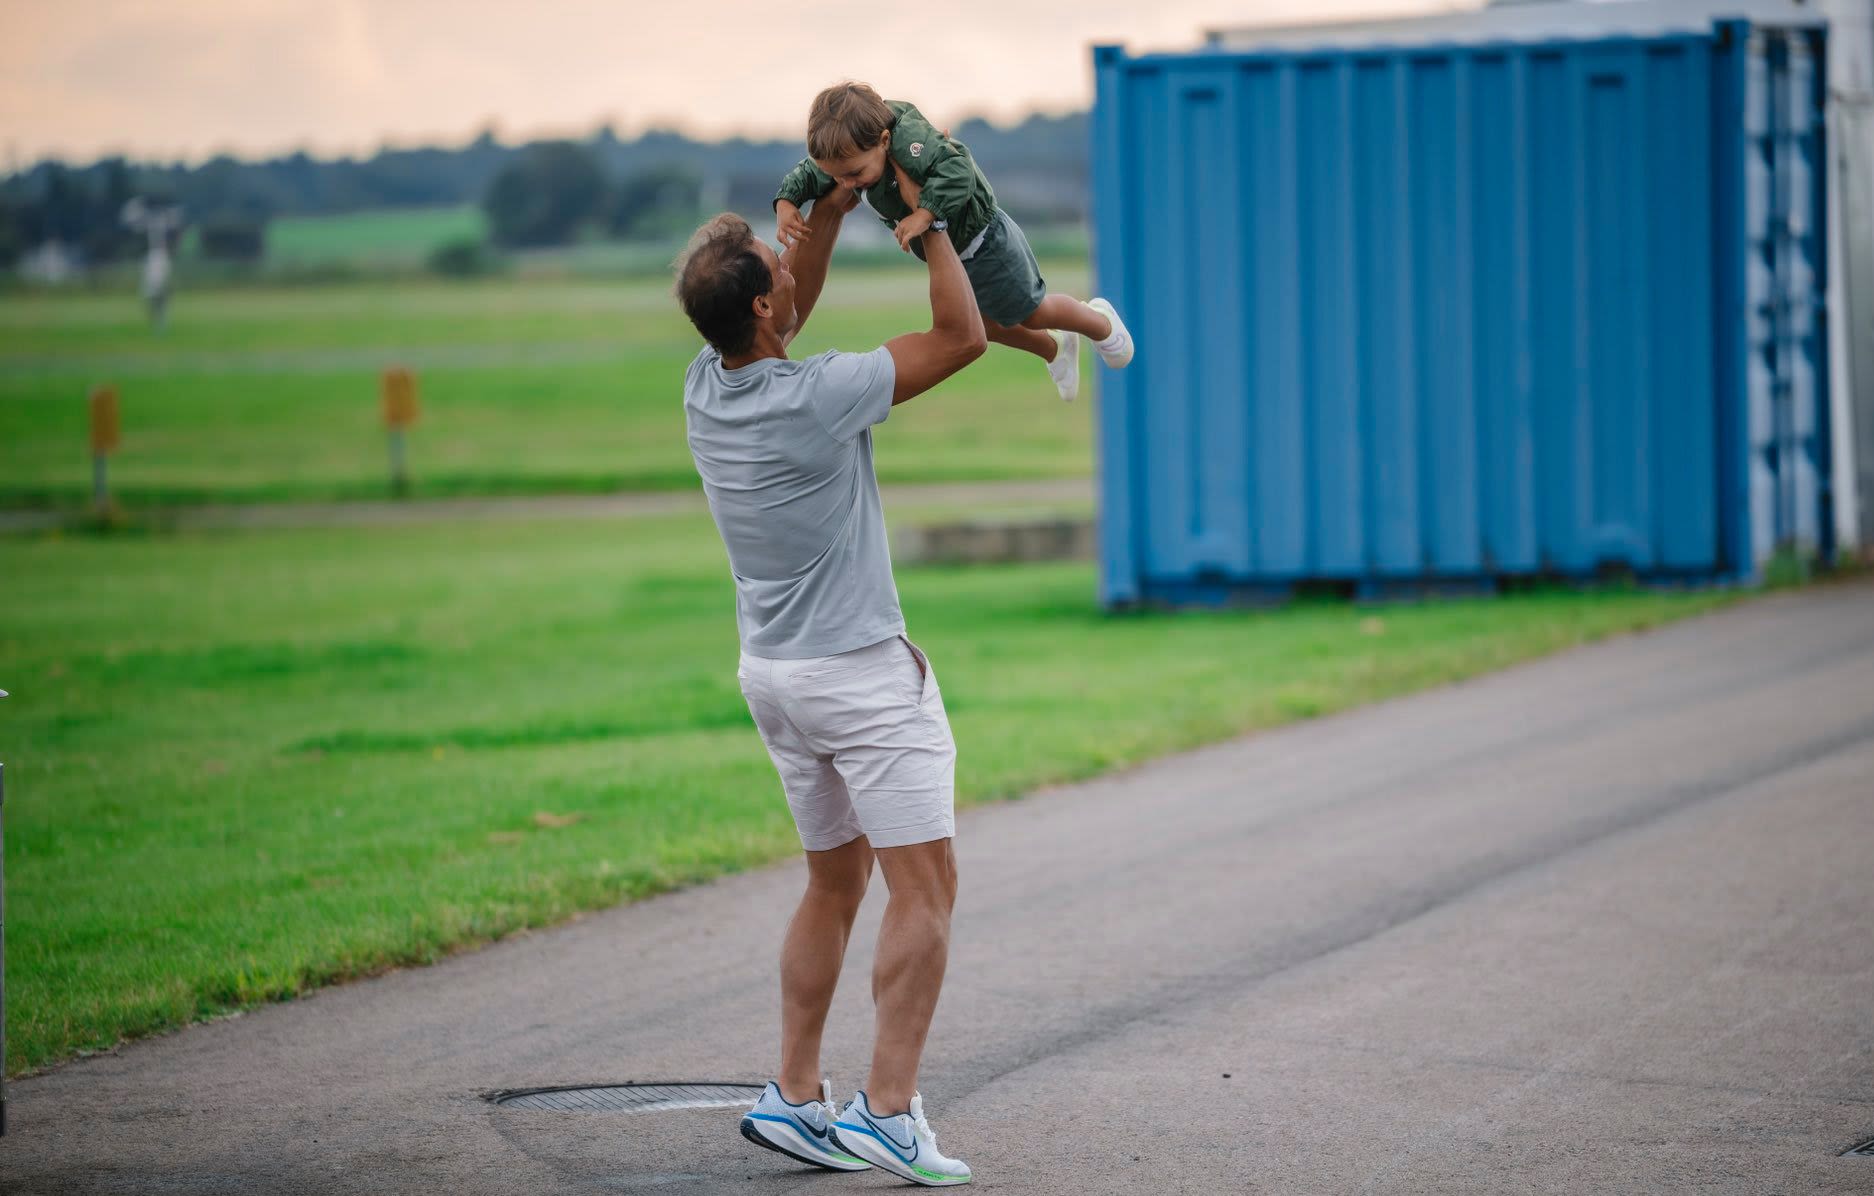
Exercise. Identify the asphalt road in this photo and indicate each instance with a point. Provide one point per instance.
(1601, 923)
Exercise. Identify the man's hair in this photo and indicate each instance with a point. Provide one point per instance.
(845, 119)
(719, 276)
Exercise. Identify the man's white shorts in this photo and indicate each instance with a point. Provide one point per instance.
(861, 741)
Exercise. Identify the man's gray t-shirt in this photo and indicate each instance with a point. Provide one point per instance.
(785, 452)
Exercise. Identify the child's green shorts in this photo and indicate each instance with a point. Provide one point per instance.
(1004, 273)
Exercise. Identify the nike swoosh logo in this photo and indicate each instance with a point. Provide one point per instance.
(790, 1120)
(886, 1135)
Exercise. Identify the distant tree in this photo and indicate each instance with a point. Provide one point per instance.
(226, 186)
(106, 239)
(464, 257)
(233, 237)
(12, 234)
(651, 199)
(1039, 168)
(63, 207)
(545, 196)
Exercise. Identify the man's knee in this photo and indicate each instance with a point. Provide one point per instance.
(841, 874)
(922, 872)
(844, 893)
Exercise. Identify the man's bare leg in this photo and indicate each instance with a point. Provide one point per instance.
(810, 959)
(1030, 340)
(913, 949)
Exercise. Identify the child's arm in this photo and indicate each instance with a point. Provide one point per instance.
(806, 181)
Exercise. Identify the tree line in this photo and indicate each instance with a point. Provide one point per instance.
(535, 194)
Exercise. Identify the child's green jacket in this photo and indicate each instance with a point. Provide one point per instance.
(954, 188)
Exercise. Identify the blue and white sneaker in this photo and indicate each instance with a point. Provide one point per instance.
(800, 1132)
(903, 1145)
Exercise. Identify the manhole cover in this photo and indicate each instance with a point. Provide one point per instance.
(1865, 1148)
(630, 1098)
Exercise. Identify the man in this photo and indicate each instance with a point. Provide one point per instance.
(848, 707)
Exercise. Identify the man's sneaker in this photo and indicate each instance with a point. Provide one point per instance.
(799, 1131)
(1065, 368)
(903, 1145)
(1116, 349)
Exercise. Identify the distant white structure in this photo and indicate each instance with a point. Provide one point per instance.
(50, 261)
(158, 222)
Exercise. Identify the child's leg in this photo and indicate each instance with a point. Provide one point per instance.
(1021, 337)
(1071, 315)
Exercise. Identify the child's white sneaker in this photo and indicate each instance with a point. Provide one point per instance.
(1065, 368)
(904, 1145)
(1116, 349)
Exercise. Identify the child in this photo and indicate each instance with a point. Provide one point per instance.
(853, 139)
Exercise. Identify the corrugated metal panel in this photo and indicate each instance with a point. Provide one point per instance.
(1454, 314)
(1769, 194)
(1785, 228)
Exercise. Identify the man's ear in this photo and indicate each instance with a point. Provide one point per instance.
(764, 308)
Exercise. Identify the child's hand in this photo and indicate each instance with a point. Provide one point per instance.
(790, 228)
(912, 227)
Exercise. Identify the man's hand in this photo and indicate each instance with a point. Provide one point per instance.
(790, 226)
(908, 187)
(841, 198)
(956, 336)
(919, 221)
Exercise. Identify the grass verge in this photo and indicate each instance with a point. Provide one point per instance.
(240, 765)
(527, 387)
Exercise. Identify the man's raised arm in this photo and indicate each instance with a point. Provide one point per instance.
(956, 336)
(808, 257)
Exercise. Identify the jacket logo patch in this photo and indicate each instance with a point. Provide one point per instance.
(917, 149)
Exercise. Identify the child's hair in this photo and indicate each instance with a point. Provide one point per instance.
(846, 119)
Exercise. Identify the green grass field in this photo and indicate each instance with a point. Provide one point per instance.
(399, 240)
(391, 237)
(243, 764)
(528, 386)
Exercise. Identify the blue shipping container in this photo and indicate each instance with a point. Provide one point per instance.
(1414, 316)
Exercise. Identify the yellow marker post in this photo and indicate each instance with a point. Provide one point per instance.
(106, 431)
(400, 412)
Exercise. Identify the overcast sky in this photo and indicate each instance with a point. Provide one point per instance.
(187, 78)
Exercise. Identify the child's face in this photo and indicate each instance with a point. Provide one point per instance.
(861, 170)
